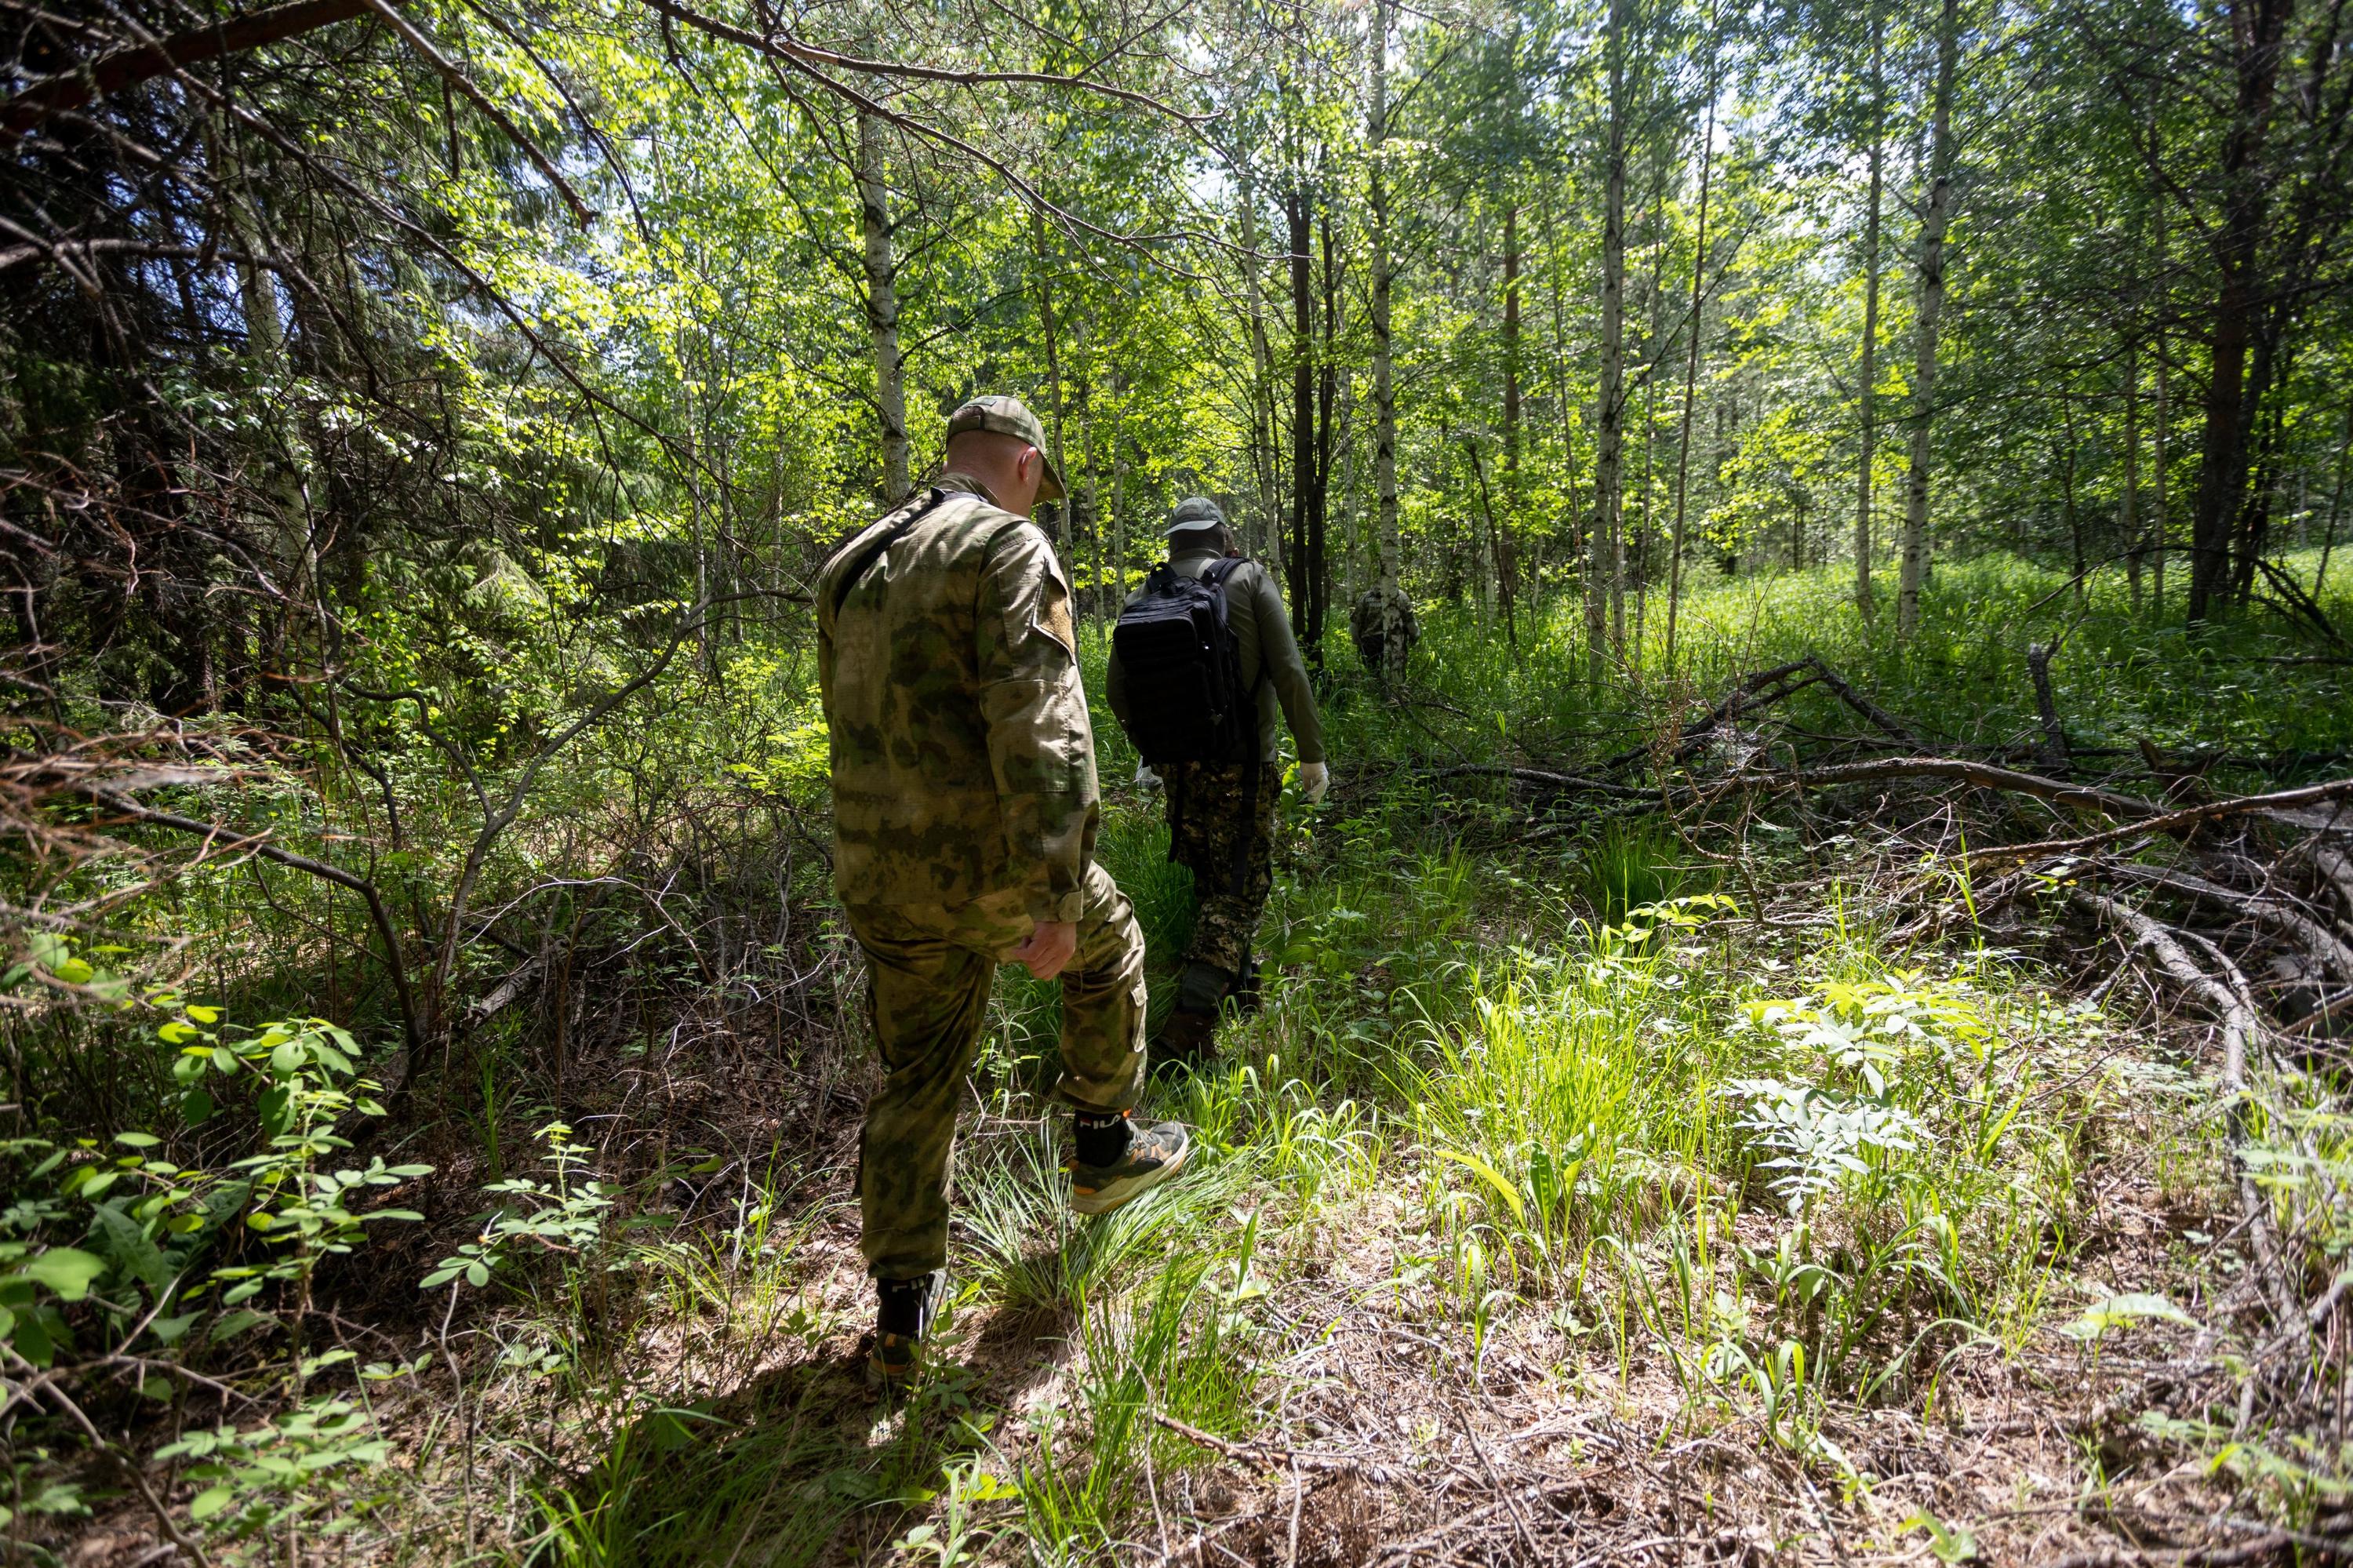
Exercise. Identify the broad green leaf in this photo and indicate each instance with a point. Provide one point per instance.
(1492, 1178)
(68, 1271)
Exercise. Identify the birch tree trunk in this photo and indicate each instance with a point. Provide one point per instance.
(1506, 562)
(2128, 503)
(2159, 523)
(1261, 382)
(1868, 402)
(1933, 225)
(1603, 556)
(882, 309)
(1691, 369)
(1118, 494)
(1068, 539)
(1303, 412)
(1560, 368)
(2336, 504)
(1384, 492)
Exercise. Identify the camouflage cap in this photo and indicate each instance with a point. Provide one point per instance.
(1009, 417)
(1194, 512)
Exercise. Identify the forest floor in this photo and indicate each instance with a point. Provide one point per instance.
(1596, 1184)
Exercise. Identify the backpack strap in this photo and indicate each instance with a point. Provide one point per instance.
(1215, 575)
(884, 538)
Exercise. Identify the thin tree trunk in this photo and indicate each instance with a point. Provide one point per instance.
(1605, 557)
(2160, 521)
(1506, 562)
(2129, 505)
(2252, 534)
(2336, 504)
(1868, 400)
(1118, 494)
(1646, 537)
(1327, 398)
(1261, 374)
(1384, 490)
(2067, 488)
(1560, 373)
(1053, 370)
(1487, 505)
(1691, 368)
(882, 309)
(1302, 408)
(1090, 488)
(1933, 225)
(2257, 27)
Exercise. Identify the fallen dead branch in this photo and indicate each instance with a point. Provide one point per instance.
(2275, 807)
(1285, 1459)
(2241, 1027)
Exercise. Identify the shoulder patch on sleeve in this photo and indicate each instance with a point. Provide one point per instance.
(1054, 613)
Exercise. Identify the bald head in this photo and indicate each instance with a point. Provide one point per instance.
(1010, 467)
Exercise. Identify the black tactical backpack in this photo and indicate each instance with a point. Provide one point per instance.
(1185, 698)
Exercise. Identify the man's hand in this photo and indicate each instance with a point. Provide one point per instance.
(1314, 778)
(1046, 950)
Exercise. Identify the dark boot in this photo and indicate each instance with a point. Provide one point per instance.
(1188, 1034)
(1185, 1039)
(1203, 988)
(1246, 993)
(905, 1310)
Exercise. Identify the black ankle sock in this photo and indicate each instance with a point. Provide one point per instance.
(1101, 1139)
(902, 1304)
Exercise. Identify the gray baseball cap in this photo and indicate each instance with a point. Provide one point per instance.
(1009, 417)
(1192, 512)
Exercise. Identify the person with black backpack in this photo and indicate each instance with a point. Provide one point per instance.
(1201, 660)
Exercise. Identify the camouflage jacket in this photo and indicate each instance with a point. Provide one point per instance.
(964, 763)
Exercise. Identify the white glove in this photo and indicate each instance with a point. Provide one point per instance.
(1313, 779)
(1145, 777)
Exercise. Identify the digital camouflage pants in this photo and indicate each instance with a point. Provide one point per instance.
(1226, 838)
(930, 969)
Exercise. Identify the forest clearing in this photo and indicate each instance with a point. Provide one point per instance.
(1813, 1025)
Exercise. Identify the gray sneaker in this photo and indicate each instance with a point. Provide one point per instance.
(1155, 1153)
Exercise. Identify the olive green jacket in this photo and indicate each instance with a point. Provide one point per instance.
(963, 761)
(1270, 656)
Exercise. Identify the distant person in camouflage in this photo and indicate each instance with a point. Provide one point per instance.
(1221, 812)
(964, 819)
(1382, 627)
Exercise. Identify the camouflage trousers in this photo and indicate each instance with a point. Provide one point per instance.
(1226, 841)
(930, 969)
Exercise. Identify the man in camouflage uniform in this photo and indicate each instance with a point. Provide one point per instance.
(1221, 813)
(964, 819)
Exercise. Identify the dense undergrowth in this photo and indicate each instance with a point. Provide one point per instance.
(1657, 1122)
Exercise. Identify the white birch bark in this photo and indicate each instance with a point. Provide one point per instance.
(1934, 222)
(1868, 408)
(1604, 554)
(882, 309)
(1388, 540)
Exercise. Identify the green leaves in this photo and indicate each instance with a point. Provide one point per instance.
(33, 1327)
(1950, 1543)
(67, 1271)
